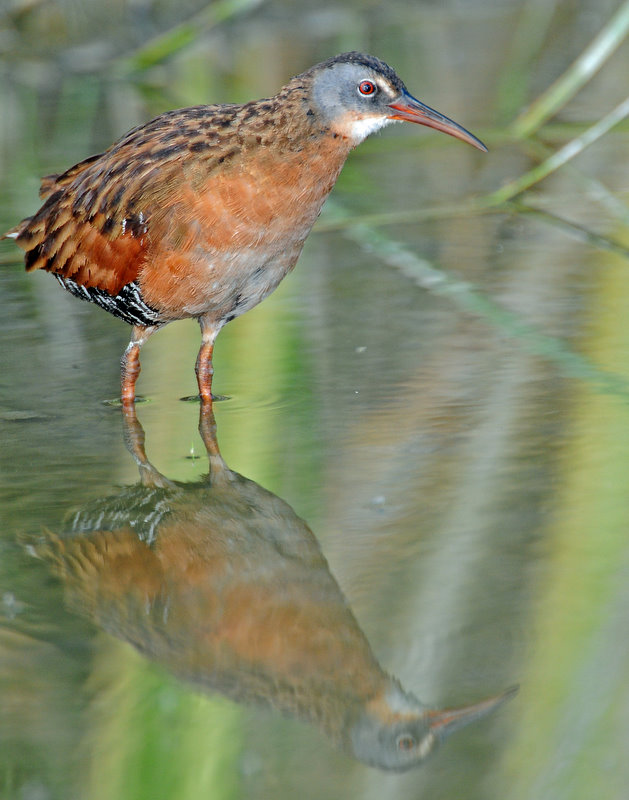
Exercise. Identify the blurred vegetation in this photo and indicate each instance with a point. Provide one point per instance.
(127, 60)
(549, 94)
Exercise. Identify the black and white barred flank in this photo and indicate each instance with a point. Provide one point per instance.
(127, 304)
(136, 507)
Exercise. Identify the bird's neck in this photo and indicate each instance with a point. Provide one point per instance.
(289, 123)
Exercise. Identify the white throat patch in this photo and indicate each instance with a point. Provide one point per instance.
(359, 129)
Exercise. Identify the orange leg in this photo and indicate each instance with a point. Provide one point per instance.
(219, 471)
(130, 363)
(203, 367)
(205, 371)
(134, 440)
(207, 429)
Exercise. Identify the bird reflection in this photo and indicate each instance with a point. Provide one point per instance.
(224, 585)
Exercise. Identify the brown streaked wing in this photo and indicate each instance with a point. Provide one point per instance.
(50, 183)
(96, 224)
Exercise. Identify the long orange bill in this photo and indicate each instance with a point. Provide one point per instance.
(411, 110)
(443, 723)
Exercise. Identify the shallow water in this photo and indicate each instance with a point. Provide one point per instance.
(463, 470)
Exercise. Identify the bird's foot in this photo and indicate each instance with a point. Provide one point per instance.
(196, 398)
(118, 402)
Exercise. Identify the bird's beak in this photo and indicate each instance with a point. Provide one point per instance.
(411, 110)
(443, 723)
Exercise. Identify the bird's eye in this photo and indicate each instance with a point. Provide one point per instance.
(366, 88)
(405, 742)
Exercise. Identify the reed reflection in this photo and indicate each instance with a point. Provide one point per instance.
(224, 585)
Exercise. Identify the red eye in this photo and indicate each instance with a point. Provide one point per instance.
(366, 87)
(405, 742)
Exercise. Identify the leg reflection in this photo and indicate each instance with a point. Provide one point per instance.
(222, 583)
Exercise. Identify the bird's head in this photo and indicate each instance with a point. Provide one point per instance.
(396, 732)
(356, 94)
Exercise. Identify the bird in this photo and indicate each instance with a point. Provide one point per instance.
(202, 211)
(221, 583)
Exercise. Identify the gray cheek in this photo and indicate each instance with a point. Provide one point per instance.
(334, 90)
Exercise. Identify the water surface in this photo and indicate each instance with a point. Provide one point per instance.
(463, 470)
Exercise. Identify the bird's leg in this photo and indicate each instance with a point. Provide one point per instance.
(219, 472)
(134, 437)
(203, 367)
(130, 363)
(207, 429)
(205, 371)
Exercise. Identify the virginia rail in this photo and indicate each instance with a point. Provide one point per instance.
(224, 585)
(202, 211)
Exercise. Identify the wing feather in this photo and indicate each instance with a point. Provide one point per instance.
(101, 218)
